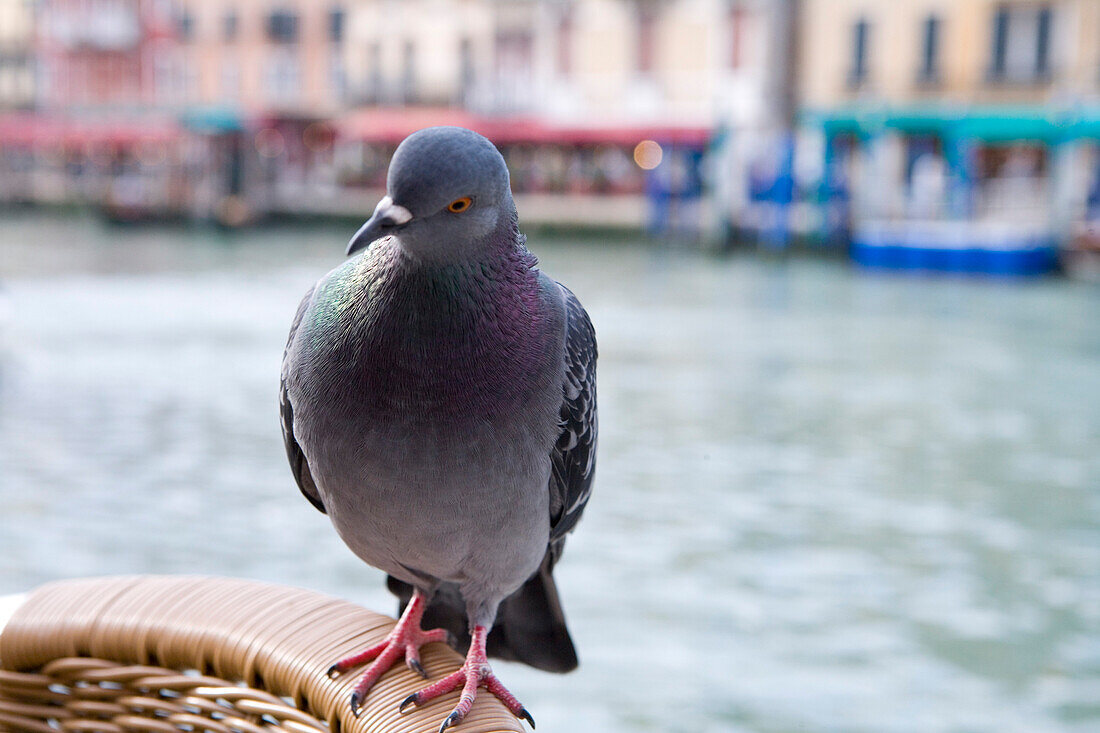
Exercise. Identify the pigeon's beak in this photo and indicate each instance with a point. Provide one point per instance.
(387, 218)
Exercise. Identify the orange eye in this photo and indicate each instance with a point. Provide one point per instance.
(460, 205)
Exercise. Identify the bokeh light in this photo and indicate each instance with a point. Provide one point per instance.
(648, 154)
(270, 142)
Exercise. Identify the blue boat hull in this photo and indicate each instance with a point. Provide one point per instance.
(918, 249)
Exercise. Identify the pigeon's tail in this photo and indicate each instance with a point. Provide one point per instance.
(529, 628)
(530, 625)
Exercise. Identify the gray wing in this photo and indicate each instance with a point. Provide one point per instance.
(573, 459)
(298, 464)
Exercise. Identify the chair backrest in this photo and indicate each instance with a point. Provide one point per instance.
(170, 653)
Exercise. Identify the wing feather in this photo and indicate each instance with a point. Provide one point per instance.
(573, 459)
(299, 466)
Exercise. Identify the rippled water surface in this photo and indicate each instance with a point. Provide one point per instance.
(825, 501)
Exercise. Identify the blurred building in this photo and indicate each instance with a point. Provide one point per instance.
(570, 88)
(16, 54)
(116, 57)
(691, 63)
(621, 112)
(269, 78)
(260, 57)
(972, 122)
(435, 53)
(720, 66)
(99, 104)
(242, 55)
(950, 52)
(207, 108)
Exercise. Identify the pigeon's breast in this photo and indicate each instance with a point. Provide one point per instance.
(428, 424)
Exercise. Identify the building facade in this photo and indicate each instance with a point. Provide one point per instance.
(261, 57)
(245, 95)
(246, 55)
(115, 56)
(687, 62)
(983, 114)
(693, 63)
(949, 51)
(16, 54)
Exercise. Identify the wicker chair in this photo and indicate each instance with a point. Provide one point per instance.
(164, 654)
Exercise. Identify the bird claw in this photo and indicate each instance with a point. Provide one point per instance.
(356, 704)
(475, 672)
(451, 720)
(416, 666)
(455, 717)
(405, 638)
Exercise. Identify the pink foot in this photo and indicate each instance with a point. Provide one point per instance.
(406, 638)
(474, 672)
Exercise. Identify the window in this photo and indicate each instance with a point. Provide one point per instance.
(282, 26)
(190, 81)
(164, 76)
(860, 32)
(466, 65)
(737, 36)
(565, 42)
(646, 40)
(336, 21)
(999, 47)
(373, 91)
(230, 26)
(338, 78)
(514, 69)
(230, 80)
(1020, 47)
(930, 50)
(1042, 43)
(283, 76)
(408, 75)
(185, 26)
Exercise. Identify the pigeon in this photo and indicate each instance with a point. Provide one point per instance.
(438, 403)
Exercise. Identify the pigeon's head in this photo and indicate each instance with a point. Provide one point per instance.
(446, 193)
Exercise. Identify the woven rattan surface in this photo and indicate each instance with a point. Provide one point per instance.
(154, 653)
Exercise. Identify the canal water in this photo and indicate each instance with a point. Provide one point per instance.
(825, 501)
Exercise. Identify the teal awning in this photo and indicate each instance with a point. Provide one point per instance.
(986, 123)
(212, 120)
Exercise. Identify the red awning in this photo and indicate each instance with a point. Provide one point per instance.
(35, 130)
(392, 125)
(21, 129)
(386, 124)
